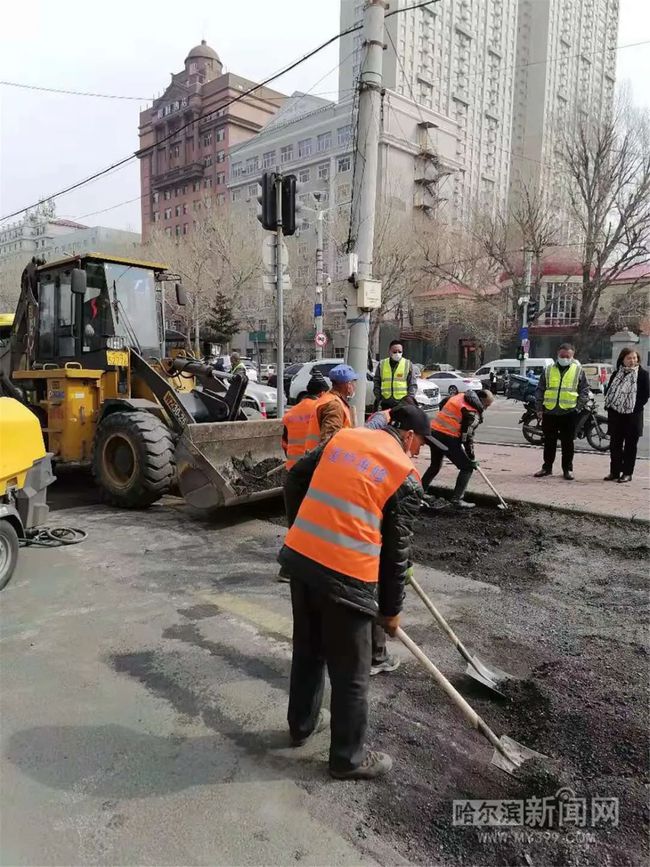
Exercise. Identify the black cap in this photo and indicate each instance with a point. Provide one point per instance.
(317, 383)
(405, 417)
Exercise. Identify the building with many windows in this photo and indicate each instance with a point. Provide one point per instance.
(186, 135)
(455, 58)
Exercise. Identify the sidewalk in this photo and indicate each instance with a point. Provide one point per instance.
(511, 468)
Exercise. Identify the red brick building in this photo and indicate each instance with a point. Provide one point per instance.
(185, 138)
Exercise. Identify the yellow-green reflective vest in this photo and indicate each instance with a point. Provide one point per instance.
(561, 390)
(394, 383)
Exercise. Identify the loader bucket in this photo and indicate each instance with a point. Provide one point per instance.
(227, 463)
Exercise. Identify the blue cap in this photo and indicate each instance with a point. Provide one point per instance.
(343, 373)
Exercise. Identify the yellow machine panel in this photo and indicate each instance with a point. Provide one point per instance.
(21, 443)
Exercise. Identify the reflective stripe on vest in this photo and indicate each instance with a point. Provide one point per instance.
(339, 521)
(561, 390)
(313, 428)
(394, 383)
(449, 419)
(296, 421)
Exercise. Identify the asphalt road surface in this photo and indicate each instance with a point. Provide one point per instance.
(501, 425)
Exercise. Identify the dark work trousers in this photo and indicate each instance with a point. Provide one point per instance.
(562, 426)
(624, 432)
(330, 633)
(379, 652)
(457, 455)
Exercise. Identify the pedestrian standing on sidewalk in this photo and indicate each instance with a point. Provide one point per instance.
(626, 394)
(562, 393)
(352, 505)
(453, 437)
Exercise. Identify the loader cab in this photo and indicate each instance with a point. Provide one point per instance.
(91, 307)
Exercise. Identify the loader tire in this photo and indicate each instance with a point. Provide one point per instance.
(133, 460)
(8, 552)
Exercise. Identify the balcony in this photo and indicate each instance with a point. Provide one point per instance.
(179, 174)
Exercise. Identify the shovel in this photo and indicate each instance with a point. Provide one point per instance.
(502, 503)
(475, 668)
(508, 754)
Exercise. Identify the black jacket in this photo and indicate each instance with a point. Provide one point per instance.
(642, 388)
(399, 515)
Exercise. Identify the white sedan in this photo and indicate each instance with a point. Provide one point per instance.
(451, 382)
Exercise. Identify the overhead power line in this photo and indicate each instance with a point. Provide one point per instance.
(238, 98)
(74, 92)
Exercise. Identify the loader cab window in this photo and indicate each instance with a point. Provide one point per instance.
(46, 317)
(97, 313)
(65, 316)
(137, 312)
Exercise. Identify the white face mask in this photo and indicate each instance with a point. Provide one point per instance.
(564, 362)
(396, 356)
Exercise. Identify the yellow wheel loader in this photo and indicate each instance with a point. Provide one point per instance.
(87, 356)
(25, 473)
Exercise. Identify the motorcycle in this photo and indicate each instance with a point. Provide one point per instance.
(592, 426)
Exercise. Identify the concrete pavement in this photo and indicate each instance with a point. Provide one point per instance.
(511, 469)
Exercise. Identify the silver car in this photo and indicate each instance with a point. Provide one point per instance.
(450, 382)
(261, 398)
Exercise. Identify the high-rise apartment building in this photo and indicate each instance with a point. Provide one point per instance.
(185, 139)
(455, 57)
(565, 72)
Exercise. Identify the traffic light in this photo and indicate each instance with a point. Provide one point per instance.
(267, 213)
(291, 206)
(520, 354)
(533, 310)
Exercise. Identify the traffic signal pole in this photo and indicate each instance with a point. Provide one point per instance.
(528, 276)
(279, 294)
(364, 192)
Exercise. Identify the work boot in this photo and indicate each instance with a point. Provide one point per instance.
(625, 478)
(611, 477)
(543, 472)
(283, 576)
(374, 765)
(568, 475)
(388, 664)
(463, 504)
(322, 723)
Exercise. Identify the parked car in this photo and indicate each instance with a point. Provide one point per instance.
(262, 398)
(450, 382)
(267, 371)
(430, 370)
(597, 373)
(510, 366)
(428, 394)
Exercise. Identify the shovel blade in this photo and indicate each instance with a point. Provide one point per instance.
(490, 677)
(515, 755)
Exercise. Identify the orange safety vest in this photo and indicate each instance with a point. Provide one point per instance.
(296, 421)
(339, 521)
(313, 428)
(448, 420)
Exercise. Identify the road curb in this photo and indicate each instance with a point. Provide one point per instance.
(490, 500)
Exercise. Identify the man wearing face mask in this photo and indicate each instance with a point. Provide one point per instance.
(332, 410)
(351, 505)
(562, 393)
(394, 378)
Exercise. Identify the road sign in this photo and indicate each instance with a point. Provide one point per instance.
(523, 333)
(320, 339)
(318, 309)
(525, 345)
(268, 254)
(268, 282)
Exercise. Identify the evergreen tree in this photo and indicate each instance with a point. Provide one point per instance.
(221, 323)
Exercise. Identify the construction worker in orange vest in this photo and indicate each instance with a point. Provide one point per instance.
(351, 505)
(332, 409)
(297, 418)
(453, 437)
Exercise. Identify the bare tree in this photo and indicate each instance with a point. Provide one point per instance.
(11, 269)
(608, 167)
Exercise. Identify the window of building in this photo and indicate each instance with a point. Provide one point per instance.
(185, 208)
(221, 178)
(174, 151)
(207, 183)
(252, 191)
(185, 228)
(220, 134)
(221, 156)
(344, 136)
(177, 230)
(304, 175)
(168, 213)
(268, 160)
(208, 161)
(196, 186)
(323, 171)
(286, 153)
(324, 142)
(167, 195)
(304, 147)
(155, 198)
(156, 216)
(236, 195)
(177, 210)
(192, 67)
(207, 139)
(236, 170)
(251, 165)
(344, 164)
(221, 198)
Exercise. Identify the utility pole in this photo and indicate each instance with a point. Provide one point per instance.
(279, 289)
(364, 194)
(318, 310)
(523, 334)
